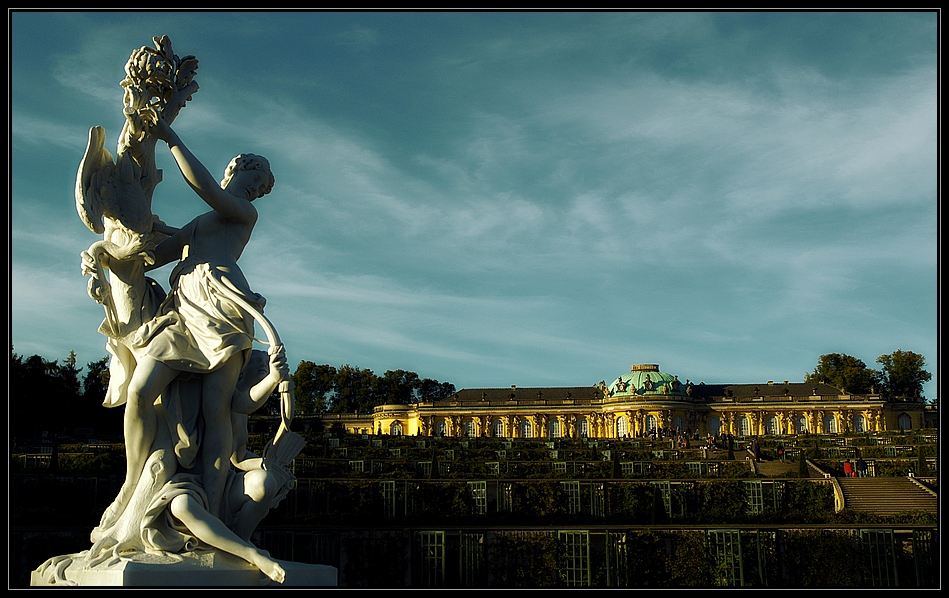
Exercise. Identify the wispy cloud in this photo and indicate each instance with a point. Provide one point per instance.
(358, 38)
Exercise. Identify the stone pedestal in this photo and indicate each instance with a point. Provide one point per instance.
(193, 569)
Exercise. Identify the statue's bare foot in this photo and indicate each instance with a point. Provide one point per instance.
(270, 568)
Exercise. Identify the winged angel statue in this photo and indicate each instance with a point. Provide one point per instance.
(177, 497)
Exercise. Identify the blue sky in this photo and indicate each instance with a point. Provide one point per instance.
(539, 199)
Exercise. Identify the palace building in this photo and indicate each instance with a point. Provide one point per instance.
(637, 403)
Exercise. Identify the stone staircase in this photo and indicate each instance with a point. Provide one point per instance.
(886, 496)
(777, 469)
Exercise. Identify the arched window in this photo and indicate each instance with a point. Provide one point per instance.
(395, 429)
(497, 429)
(583, 427)
(904, 422)
(470, 430)
(554, 428)
(771, 425)
(860, 423)
(677, 424)
(801, 424)
(651, 423)
(622, 427)
(744, 426)
(714, 426)
(526, 429)
(830, 424)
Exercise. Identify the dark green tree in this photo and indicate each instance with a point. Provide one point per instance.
(847, 373)
(355, 390)
(349, 389)
(398, 387)
(96, 381)
(314, 387)
(44, 395)
(95, 384)
(903, 374)
(433, 390)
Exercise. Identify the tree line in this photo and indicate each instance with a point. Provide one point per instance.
(55, 397)
(58, 397)
(349, 389)
(901, 374)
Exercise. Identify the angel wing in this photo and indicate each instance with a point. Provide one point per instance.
(111, 190)
(95, 169)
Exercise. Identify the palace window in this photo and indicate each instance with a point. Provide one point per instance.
(622, 427)
(744, 426)
(714, 426)
(583, 427)
(771, 425)
(830, 424)
(441, 428)
(555, 428)
(395, 429)
(860, 423)
(904, 422)
(801, 422)
(470, 430)
(526, 429)
(497, 429)
(651, 423)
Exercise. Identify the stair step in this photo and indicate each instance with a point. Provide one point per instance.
(886, 495)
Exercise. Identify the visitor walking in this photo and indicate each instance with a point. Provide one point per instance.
(861, 468)
(848, 469)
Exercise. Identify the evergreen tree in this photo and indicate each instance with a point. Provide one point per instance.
(44, 395)
(802, 470)
(434, 474)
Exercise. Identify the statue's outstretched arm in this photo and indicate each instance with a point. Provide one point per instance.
(200, 179)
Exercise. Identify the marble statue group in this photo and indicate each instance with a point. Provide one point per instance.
(182, 361)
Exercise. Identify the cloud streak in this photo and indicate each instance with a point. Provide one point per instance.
(491, 199)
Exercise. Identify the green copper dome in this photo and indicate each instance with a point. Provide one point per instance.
(646, 379)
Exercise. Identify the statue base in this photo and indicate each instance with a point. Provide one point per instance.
(192, 569)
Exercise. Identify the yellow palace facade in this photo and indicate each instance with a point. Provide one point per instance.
(637, 403)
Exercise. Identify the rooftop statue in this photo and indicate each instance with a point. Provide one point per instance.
(182, 363)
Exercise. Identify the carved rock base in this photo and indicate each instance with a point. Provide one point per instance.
(193, 569)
